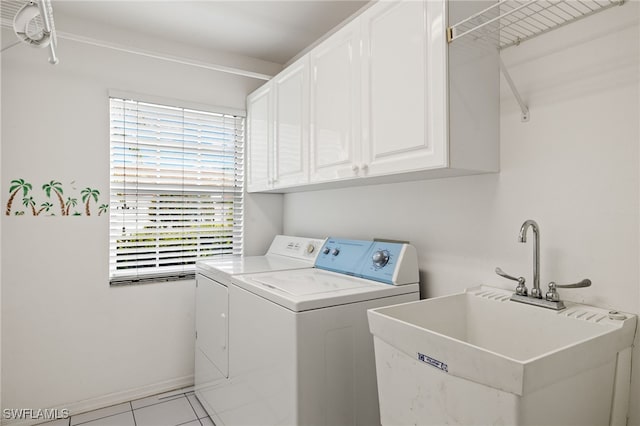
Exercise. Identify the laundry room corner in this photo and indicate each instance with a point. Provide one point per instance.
(362, 212)
(70, 340)
(573, 167)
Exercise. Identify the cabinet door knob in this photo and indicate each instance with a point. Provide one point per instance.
(355, 168)
(364, 167)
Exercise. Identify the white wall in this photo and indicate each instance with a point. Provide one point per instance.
(574, 168)
(0, 238)
(112, 35)
(69, 340)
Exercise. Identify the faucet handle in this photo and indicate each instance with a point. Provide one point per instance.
(521, 289)
(503, 274)
(584, 283)
(553, 296)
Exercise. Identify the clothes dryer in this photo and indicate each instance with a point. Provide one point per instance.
(285, 252)
(300, 351)
(212, 299)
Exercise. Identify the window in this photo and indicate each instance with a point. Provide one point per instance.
(176, 189)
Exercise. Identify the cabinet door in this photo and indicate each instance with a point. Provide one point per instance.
(259, 139)
(291, 136)
(335, 92)
(212, 322)
(404, 87)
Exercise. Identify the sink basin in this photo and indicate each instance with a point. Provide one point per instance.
(478, 358)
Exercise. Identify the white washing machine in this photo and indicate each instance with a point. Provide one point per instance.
(212, 300)
(298, 343)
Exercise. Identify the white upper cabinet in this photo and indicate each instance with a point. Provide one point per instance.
(278, 131)
(291, 147)
(335, 103)
(260, 139)
(388, 100)
(403, 96)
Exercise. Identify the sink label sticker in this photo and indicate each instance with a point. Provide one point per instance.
(433, 362)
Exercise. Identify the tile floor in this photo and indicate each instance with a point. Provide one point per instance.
(168, 409)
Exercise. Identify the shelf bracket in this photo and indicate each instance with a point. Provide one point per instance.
(525, 115)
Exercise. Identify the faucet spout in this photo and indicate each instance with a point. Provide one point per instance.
(522, 237)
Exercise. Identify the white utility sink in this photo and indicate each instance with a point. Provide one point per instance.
(479, 358)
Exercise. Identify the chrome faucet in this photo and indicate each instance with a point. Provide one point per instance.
(535, 291)
(551, 299)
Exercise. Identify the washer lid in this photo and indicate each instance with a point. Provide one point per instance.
(316, 283)
(305, 289)
(236, 265)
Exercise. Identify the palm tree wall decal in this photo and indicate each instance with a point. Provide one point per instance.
(87, 193)
(57, 188)
(44, 207)
(71, 202)
(28, 202)
(16, 186)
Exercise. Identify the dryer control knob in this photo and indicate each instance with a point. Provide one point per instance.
(326, 250)
(335, 251)
(311, 248)
(380, 258)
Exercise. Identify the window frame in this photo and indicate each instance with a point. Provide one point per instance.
(139, 274)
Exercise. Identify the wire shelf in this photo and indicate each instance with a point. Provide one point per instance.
(510, 22)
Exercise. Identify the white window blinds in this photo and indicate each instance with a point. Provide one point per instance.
(176, 189)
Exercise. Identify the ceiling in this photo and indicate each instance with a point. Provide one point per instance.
(270, 30)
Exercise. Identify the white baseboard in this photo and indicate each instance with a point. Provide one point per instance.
(111, 399)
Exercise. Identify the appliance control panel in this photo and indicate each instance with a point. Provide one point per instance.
(296, 247)
(387, 262)
(382, 260)
(343, 256)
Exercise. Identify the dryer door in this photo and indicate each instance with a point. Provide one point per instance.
(212, 322)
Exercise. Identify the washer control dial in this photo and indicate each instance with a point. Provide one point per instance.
(326, 250)
(335, 251)
(380, 258)
(311, 248)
